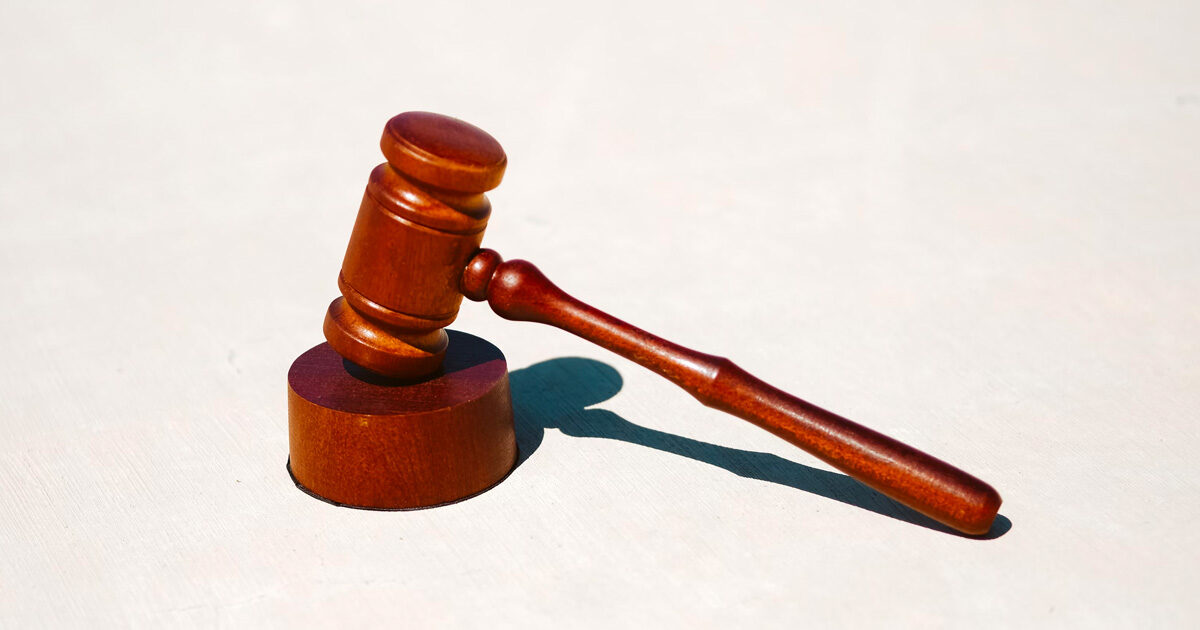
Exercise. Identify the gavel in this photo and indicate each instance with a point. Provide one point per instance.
(414, 253)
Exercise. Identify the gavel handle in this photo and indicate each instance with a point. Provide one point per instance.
(516, 290)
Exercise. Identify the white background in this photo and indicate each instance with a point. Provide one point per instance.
(974, 227)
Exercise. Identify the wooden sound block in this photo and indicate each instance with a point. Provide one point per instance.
(364, 441)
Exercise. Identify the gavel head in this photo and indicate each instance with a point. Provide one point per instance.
(422, 219)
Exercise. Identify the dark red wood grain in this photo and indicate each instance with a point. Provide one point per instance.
(413, 254)
(421, 219)
(361, 440)
(517, 290)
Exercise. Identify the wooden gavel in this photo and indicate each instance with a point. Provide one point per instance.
(415, 252)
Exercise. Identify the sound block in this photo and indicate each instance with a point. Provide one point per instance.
(364, 441)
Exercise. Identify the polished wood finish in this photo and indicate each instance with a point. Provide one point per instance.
(412, 416)
(360, 440)
(422, 218)
(414, 254)
(517, 290)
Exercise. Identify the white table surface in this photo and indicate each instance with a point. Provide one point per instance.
(975, 228)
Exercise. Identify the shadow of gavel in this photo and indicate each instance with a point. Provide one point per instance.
(415, 252)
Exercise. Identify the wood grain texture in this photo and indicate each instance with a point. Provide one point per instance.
(972, 226)
(517, 290)
(422, 218)
(412, 258)
(410, 420)
(363, 441)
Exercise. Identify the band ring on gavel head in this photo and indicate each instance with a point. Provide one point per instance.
(422, 218)
(413, 255)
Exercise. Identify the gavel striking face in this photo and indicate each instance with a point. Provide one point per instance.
(414, 253)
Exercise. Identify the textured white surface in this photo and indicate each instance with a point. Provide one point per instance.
(976, 229)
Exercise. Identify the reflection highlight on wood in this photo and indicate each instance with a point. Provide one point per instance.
(415, 253)
(517, 290)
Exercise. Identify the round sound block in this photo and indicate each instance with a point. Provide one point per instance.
(364, 441)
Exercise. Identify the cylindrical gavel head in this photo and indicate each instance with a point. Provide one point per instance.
(422, 218)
